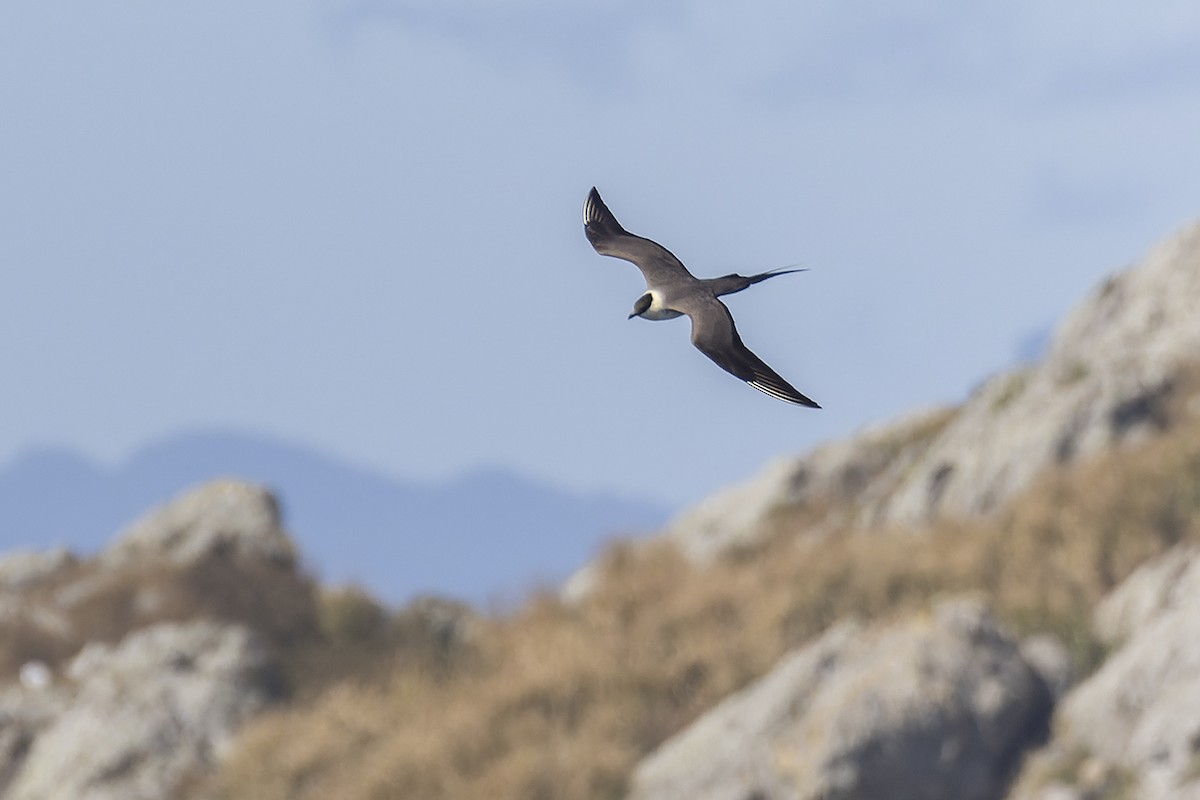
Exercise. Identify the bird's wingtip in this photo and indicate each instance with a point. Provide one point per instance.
(596, 216)
(781, 390)
(802, 399)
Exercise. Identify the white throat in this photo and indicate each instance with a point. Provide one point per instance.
(658, 310)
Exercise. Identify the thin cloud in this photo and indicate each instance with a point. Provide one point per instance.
(588, 40)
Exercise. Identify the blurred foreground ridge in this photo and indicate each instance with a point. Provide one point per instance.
(998, 600)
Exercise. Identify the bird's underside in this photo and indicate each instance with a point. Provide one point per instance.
(668, 280)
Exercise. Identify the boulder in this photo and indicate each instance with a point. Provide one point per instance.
(140, 717)
(1135, 723)
(936, 706)
(24, 714)
(217, 551)
(225, 518)
(109, 687)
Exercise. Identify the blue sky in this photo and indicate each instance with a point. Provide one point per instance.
(356, 224)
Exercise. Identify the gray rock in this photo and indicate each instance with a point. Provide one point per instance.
(728, 753)
(94, 721)
(23, 569)
(23, 715)
(1157, 588)
(1047, 657)
(224, 517)
(145, 715)
(733, 515)
(1106, 379)
(1134, 725)
(939, 706)
(215, 552)
(1139, 715)
(861, 470)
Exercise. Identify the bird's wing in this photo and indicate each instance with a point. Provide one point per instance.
(715, 335)
(658, 265)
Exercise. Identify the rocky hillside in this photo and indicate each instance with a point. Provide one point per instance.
(925, 716)
(136, 668)
(990, 601)
(127, 675)
(1113, 374)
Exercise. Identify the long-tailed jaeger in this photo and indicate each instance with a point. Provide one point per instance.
(672, 291)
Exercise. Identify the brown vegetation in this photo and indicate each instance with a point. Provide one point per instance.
(560, 701)
(89, 601)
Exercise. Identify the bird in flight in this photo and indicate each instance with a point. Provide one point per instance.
(672, 291)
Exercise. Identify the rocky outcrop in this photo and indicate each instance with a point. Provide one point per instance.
(833, 478)
(1134, 725)
(225, 517)
(939, 706)
(1113, 373)
(830, 484)
(1108, 377)
(735, 515)
(23, 569)
(137, 719)
(23, 716)
(128, 673)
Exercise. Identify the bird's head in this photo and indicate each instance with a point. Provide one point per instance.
(641, 306)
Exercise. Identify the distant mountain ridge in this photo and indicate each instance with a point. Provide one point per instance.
(487, 534)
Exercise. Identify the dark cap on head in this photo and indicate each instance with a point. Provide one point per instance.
(641, 306)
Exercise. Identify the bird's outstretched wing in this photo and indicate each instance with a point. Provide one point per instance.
(715, 335)
(658, 265)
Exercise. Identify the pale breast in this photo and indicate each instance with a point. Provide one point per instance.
(662, 313)
(657, 310)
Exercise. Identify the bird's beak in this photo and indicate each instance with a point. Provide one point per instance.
(631, 316)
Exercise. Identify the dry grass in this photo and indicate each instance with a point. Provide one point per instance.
(90, 602)
(560, 701)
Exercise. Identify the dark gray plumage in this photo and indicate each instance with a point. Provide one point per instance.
(672, 291)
